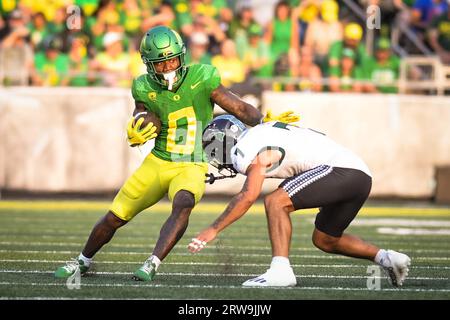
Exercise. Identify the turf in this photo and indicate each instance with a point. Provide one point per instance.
(37, 237)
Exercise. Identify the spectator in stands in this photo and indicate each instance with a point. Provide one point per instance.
(305, 13)
(131, 17)
(257, 53)
(3, 30)
(98, 30)
(198, 49)
(137, 67)
(6, 7)
(342, 78)
(16, 54)
(39, 30)
(52, 66)
(323, 32)
(164, 16)
(239, 30)
(308, 72)
(232, 70)
(213, 8)
(189, 11)
(382, 71)
(209, 26)
(224, 20)
(113, 64)
(57, 21)
(282, 32)
(88, 6)
(439, 37)
(352, 40)
(78, 63)
(108, 13)
(283, 69)
(424, 11)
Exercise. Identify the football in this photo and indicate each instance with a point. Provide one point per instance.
(148, 117)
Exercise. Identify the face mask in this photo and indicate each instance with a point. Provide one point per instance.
(170, 77)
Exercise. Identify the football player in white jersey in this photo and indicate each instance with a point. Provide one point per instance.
(317, 172)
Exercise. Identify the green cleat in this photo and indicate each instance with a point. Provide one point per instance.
(146, 272)
(70, 268)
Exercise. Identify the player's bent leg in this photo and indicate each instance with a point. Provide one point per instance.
(394, 264)
(141, 190)
(278, 207)
(171, 232)
(345, 244)
(185, 190)
(280, 274)
(100, 235)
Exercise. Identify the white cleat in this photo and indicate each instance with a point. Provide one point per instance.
(396, 267)
(279, 277)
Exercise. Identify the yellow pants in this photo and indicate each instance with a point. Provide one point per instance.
(153, 179)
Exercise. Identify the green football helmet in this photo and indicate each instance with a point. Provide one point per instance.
(159, 44)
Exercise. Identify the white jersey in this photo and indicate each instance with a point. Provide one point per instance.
(302, 149)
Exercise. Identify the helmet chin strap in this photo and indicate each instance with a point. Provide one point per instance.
(170, 77)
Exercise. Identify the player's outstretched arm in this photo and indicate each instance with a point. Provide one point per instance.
(237, 207)
(237, 107)
(246, 112)
(241, 202)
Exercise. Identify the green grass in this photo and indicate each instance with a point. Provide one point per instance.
(35, 241)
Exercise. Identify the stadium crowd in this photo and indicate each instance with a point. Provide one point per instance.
(318, 43)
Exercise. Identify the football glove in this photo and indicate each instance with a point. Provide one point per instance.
(286, 117)
(137, 136)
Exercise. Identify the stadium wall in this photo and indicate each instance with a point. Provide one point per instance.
(73, 139)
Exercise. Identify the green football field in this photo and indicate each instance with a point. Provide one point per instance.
(37, 237)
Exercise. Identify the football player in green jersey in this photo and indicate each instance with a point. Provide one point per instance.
(183, 99)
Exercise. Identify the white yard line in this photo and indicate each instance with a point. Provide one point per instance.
(413, 231)
(220, 274)
(213, 253)
(221, 264)
(400, 222)
(83, 298)
(213, 246)
(120, 285)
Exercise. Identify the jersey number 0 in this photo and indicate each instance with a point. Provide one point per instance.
(189, 146)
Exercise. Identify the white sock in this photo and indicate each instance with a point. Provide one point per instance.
(279, 261)
(380, 258)
(155, 260)
(87, 261)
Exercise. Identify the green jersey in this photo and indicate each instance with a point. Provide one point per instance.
(183, 113)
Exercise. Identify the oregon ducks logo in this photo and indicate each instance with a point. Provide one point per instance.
(176, 97)
(166, 53)
(152, 96)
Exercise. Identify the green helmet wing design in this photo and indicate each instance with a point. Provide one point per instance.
(160, 44)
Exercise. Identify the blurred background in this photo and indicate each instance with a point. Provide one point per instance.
(374, 75)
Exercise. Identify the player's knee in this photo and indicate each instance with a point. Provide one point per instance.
(183, 200)
(325, 242)
(112, 221)
(275, 201)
